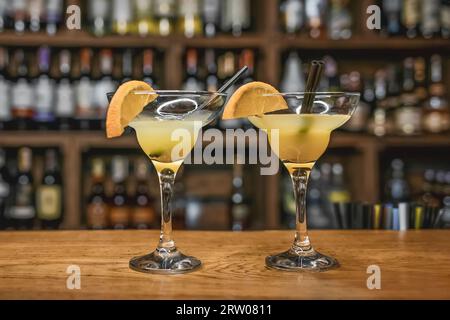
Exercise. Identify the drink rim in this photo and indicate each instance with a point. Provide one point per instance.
(317, 94)
(175, 93)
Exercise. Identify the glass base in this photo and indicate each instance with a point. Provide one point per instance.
(164, 262)
(304, 261)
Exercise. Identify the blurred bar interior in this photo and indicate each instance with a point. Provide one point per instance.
(389, 168)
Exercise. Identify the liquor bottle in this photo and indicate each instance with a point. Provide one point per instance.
(211, 17)
(127, 65)
(44, 90)
(408, 117)
(22, 211)
(121, 16)
(315, 10)
(338, 191)
(392, 16)
(145, 22)
(35, 13)
(292, 15)
(54, 14)
(445, 18)
(5, 86)
(99, 15)
(436, 117)
(65, 96)
(397, 188)
(19, 14)
(340, 20)
(119, 212)
(4, 8)
(358, 121)
(239, 203)
(190, 23)
(147, 67)
(165, 11)
(247, 58)
(317, 218)
(49, 196)
(143, 215)
(293, 79)
(103, 85)
(236, 16)
(427, 196)
(84, 92)
(411, 17)
(380, 124)
(192, 83)
(212, 82)
(22, 95)
(5, 189)
(226, 67)
(420, 76)
(97, 213)
(430, 25)
(330, 80)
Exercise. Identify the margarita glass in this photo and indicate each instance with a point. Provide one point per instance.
(167, 129)
(303, 138)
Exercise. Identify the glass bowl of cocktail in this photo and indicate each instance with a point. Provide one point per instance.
(298, 126)
(167, 124)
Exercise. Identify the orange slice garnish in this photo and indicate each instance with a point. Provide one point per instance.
(126, 105)
(253, 99)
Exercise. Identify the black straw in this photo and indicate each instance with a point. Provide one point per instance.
(312, 83)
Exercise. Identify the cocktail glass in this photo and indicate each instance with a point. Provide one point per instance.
(303, 137)
(167, 130)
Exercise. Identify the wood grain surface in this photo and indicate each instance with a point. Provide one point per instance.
(414, 265)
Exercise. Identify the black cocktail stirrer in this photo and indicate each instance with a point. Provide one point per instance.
(226, 86)
(312, 82)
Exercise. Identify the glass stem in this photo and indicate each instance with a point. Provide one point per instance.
(300, 182)
(166, 182)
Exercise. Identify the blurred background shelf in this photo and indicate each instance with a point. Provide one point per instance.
(366, 158)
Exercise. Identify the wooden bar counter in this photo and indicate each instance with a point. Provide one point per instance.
(414, 265)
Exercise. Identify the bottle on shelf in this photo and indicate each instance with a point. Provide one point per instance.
(211, 17)
(65, 96)
(22, 212)
(22, 95)
(84, 91)
(411, 17)
(104, 84)
(436, 118)
(226, 67)
(121, 17)
(427, 196)
(293, 79)
(5, 189)
(315, 17)
(212, 81)
(397, 188)
(338, 191)
(127, 65)
(54, 15)
(292, 15)
(4, 8)
(392, 17)
(36, 10)
(97, 213)
(144, 20)
(44, 89)
(119, 212)
(5, 93)
(430, 19)
(192, 82)
(49, 194)
(99, 17)
(239, 203)
(339, 20)
(247, 58)
(360, 117)
(148, 74)
(143, 215)
(236, 16)
(445, 19)
(165, 12)
(189, 20)
(18, 13)
(380, 125)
